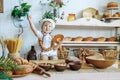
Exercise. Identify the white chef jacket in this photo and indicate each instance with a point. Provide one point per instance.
(47, 38)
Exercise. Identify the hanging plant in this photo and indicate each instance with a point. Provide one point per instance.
(22, 10)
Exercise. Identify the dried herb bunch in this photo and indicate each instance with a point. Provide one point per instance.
(8, 64)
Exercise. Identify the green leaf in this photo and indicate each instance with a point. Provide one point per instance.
(22, 10)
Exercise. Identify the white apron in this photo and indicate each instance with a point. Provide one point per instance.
(47, 38)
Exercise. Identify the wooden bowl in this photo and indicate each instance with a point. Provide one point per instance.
(100, 62)
(60, 67)
(45, 66)
(75, 66)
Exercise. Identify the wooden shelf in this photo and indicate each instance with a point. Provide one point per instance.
(91, 43)
(91, 22)
(113, 8)
(112, 18)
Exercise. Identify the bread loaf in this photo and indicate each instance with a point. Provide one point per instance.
(21, 61)
(112, 4)
(106, 15)
(101, 39)
(68, 38)
(89, 38)
(79, 38)
(25, 70)
(112, 39)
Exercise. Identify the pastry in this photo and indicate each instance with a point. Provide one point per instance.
(115, 15)
(79, 38)
(25, 70)
(112, 39)
(118, 13)
(89, 38)
(101, 39)
(106, 15)
(57, 38)
(68, 38)
(21, 61)
(112, 4)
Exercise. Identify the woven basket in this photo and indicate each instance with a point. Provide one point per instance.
(63, 54)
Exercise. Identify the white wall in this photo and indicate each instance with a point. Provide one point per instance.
(8, 30)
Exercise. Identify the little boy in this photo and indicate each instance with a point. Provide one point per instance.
(48, 48)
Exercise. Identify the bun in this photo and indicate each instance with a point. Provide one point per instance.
(25, 70)
(21, 61)
(57, 38)
(68, 38)
(112, 4)
(101, 39)
(118, 13)
(88, 38)
(79, 38)
(112, 39)
(115, 15)
(106, 15)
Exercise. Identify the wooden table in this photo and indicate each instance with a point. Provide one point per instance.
(82, 74)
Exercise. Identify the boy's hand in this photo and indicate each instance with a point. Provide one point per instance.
(29, 17)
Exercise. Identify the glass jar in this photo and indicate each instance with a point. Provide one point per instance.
(71, 17)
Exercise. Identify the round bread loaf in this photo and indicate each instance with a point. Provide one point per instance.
(68, 38)
(112, 39)
(57, 38)
(101, 39)
(112, 4)
(106, 15)
(118, 13)
(90, 38)
(79, 38)
(115, 15)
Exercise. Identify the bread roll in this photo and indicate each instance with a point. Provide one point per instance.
(68, 38)
(79, 38)
(106, 15)
(101, 39)
(112, 4)
(20, 61)
(89, 38)
(112, 39)
(25, 70)
(115, 15)
(118, 13)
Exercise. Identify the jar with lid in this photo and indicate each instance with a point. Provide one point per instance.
(71, 17)
(32, 54)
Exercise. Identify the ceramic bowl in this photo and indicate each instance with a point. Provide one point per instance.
(75, 66)
(100, 62)
(45, 66)
(60, 67)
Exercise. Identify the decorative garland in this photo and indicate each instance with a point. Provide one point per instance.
(46, 49)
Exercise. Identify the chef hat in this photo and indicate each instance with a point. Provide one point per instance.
(50, 20)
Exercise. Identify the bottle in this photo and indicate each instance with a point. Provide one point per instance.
(32, 54)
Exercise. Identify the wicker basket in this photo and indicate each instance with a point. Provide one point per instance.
(63, 54)
(109, 53)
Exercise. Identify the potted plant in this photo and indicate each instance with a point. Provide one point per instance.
(20, 11)
(49, 15)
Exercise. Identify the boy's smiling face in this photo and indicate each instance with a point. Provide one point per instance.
(47, 27)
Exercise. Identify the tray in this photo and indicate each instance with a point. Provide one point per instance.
(89, 12)
(112, 8)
